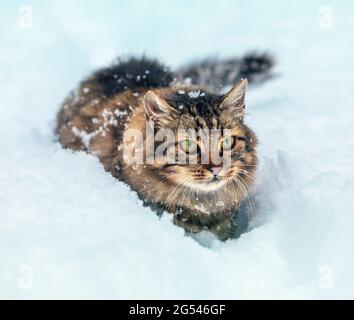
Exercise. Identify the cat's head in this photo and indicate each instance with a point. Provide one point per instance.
(193, 160)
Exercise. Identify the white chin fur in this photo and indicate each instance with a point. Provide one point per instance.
(206, 187)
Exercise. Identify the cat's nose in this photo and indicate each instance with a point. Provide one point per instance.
(216, 170)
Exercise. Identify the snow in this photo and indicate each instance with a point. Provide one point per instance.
(69, 230)
(195, 94)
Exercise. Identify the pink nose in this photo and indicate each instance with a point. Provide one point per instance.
(216, 170)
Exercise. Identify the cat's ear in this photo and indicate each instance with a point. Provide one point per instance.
(155, 106)
(234, 100)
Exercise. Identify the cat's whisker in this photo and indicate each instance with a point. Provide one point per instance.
(186, 190)
(172, 195)
(175, 192)
(250, 201)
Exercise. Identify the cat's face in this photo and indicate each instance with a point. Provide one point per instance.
(211, 146)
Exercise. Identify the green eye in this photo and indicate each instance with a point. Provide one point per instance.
(228, 143)
(189, 146)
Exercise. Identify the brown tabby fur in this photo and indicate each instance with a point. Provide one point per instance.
(91, 121)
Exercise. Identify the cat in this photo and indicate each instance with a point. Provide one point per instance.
(136, 94)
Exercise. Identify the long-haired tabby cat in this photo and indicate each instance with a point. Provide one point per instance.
(134, 93)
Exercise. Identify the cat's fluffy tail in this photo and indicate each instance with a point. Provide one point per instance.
(218, 75)
(214, 74)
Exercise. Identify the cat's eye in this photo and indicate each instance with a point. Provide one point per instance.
(189, 146)
(228, 143)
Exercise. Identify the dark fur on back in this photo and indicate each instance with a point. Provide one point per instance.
(130, 74)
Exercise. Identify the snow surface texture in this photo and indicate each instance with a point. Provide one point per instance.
(69, 230)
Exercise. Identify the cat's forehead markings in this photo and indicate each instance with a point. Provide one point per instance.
(215, 123)
(193, 109)
(200, 122)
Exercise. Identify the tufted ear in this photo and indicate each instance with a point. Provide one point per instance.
(234, 100)
(155, 106)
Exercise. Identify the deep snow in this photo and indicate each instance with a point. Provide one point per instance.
(69, 230)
